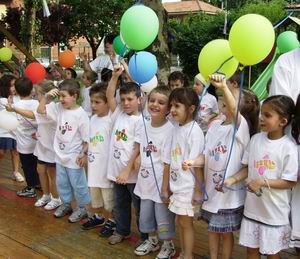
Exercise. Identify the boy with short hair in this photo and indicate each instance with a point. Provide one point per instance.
(24, 136)
(70, 146)
(101, 189)
(125, 118)
(177, 80)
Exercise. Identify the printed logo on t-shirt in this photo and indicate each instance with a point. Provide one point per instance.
(218, 151)
(98, 138)
(175, 153)
(121, 135)
(202, 108)
(62, 146)
(150, 148)
(264, 164)
(117, 154)
(217, 178)
(145, 173)
(64, 128)
(174, 175)
(91, 158)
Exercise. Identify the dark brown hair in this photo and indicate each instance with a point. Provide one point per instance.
(99, 90)
(71, 86)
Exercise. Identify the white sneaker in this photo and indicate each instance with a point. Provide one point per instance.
(53, 204)
(17, 177)
(167, 251)
(43, 201)
(146, 247)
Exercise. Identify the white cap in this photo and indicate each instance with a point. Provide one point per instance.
(148, 86)
(202, 80)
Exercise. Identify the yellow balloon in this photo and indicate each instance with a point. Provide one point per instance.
(5, 54)
(213, 55)
(251, 39)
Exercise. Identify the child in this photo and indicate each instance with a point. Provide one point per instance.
(126, 122)
(177, 80)
(187, 142)
(154, 149)
(272, 171)
(101, 189)
(70, 73)
(208, 102)
(295, 208)
(88, 79)
(70, 146)
(8, 139)
(44, 150)
(25, 141)
(223, 210)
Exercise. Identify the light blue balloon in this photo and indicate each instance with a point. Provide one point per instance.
(142, 66)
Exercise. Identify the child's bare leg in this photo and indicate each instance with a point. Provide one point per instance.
(15, 160)
(214, 242)
(2, 153)
(276, 256)
(44, 180)
(186, 225)
(228, 242)
(253, 253)
(51, 171)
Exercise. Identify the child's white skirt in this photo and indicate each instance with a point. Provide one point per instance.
(181, 208)
(269, 239)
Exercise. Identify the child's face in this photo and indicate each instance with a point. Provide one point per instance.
(68, 101)
(109, 49)
(99, 106)
(270, 121)
(130, 103)
(85, 80)
(68, 74)
(55, 74)
(158, 105)
(178, 112)
(176, 84)
(198, 86)
(12, 87)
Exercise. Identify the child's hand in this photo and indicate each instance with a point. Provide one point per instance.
(123, 177)
(187, 164)
(81, 160)
(83, 56)
(218, 81)
(53, 93)
(197, 197)
(9, 107)
(227, 183)
(165, 194)
(255, 185)
(117, 71)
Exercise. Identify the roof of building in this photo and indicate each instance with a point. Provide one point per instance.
(177, 8)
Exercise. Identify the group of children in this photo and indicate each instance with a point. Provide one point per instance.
(183, 154)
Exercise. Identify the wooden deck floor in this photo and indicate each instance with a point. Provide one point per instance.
(29, 232)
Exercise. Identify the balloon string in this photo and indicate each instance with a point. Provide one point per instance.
(283, 20)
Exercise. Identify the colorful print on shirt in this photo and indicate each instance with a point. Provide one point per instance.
(175, 153)
(64, 128)
(264, 164)
(149, 149)
(121, 135)
(98, 138)
(218, 151)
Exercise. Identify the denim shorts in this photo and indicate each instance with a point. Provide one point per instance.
(156, 217)
(224, 221)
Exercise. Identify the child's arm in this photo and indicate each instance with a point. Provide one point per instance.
(25, 113)
(209, 117)
(126, 69)
(86, 65)
(81, 160)
(238, 177)
(199, 180)
(42, 105)
(165, 188)
(256, 184)
(111, 89)
(197, 162)
(219, 81)
(123, 177)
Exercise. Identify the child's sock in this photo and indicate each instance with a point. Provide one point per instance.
(153, 239)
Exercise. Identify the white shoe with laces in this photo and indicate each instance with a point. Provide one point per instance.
(167, 251)
(146, 247)
(43, 200)
(17, 177)
(53, 204)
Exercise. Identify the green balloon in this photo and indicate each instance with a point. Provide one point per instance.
(287, 41)
(119, 47)
(5, 54)
(139, 27)
(251, 39)
(213, 55)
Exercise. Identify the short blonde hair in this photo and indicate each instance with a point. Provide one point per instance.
(44, 86)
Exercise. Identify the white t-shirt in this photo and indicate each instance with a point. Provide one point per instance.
(44, 150)
(102, 61)
(100, 134)
(26, 128)
(86, 103)
(286, 75)
(295, 205)
(187, 143)
(71, 131)
(272, 159)
(124, 134)
(3, 132)
(160, 147)
(217, 147)
(208, 106)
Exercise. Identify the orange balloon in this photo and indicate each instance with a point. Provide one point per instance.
(67, 59)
